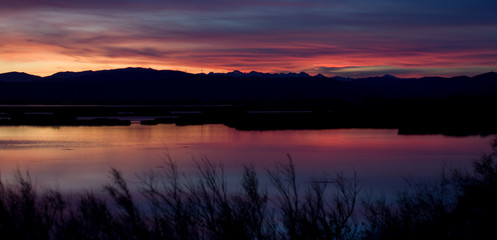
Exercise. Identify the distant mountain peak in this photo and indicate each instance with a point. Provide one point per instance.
(489, 75)
(319, 75)
(69, 74)
(390, 76)
(304, 74)
(16, 77)
(255, 74)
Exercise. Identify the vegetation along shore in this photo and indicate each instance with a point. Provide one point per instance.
(460, 205)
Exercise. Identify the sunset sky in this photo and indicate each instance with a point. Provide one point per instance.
(333, 37)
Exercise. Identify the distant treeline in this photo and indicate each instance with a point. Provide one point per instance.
(461, 205)
(453, 117)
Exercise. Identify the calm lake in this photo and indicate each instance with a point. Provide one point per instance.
(75, 158)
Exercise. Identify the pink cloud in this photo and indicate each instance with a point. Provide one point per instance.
(263, 36)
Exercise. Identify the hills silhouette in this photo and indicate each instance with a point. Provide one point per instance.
(456, 106)
(16, 77)
(149, 86)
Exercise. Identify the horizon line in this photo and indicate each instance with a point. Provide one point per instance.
(386, 74)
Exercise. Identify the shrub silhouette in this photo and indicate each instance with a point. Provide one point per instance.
(171, 205)
(460, 206)
(315, 214)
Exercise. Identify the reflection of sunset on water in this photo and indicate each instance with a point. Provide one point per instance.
(80, 157)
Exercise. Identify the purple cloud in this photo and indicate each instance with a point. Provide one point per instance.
(260, 35)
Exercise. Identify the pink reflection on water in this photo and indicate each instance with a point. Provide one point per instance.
(81, 157)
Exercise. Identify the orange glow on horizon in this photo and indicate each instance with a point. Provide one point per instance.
(44, 59)
(360, 39)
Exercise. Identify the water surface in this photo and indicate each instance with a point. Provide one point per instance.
(73, 158)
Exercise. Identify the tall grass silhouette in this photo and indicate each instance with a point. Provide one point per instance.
(171, 205)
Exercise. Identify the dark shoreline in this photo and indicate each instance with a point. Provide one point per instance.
(434, 120)
(456, 106)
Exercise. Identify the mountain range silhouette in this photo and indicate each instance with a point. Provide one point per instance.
(149, 86)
